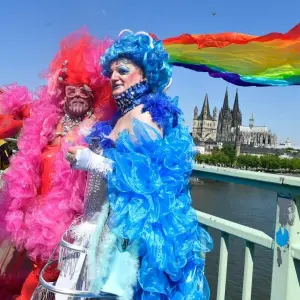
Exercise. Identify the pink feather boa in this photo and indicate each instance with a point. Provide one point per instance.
(33, 222)
(14, 99)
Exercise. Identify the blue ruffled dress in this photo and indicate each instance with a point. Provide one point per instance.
(150, 202)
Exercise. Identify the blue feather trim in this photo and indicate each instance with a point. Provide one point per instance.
(163, 110)
(151, 205)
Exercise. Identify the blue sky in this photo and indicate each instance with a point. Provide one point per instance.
(31, 30)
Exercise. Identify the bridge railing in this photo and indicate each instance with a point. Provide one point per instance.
(285, 244)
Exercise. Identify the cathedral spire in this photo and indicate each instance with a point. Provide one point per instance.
(236, 107)
(236, 113)
(205, 113)
(195, 112)
(226, 103)
(251, 121)
(220, 115)
(215, 113)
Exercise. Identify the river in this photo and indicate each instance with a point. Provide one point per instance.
(247, 206)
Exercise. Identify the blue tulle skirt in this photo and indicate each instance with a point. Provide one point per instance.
(148, 192)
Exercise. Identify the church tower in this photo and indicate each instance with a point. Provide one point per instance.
(215, 113)
(205, 113)
(237, 140)
(236, 113)
(225, 121)
(204, 125)
(251, 121)
(195, 113)
(219, 128)
(195, 122)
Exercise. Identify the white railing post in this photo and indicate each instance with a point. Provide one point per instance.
(223, 266)
(248, 271)
(286, 269)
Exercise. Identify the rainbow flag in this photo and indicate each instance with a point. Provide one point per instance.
(241, 59)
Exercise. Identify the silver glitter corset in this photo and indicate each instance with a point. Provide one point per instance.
(95, 197)
(70, 256)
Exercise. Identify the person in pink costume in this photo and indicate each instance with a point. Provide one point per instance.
(42, 195)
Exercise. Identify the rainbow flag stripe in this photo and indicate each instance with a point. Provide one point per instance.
(241, 59)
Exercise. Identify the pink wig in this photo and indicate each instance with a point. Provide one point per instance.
(77, 62)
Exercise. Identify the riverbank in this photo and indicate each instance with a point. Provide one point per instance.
(285, 172)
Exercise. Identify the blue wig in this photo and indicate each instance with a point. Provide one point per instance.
(149, 54)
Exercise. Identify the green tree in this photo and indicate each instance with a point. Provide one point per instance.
(285, 163)
(199, 158)
(219, 158)
(270, 162)
(274, 162)
(248, 161)
(229, 151)
(295, 164)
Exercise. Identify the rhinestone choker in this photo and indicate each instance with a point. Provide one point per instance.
(131, 97)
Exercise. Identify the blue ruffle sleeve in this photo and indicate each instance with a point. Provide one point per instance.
(151, 206)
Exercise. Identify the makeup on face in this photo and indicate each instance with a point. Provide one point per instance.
(124, 74)
(79, 100)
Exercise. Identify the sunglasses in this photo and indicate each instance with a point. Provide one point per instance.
(83, 92)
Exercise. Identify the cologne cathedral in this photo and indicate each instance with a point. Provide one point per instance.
(226, 127)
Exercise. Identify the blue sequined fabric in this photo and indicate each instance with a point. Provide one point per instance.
(131, 97)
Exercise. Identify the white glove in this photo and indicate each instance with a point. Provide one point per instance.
(88, 160)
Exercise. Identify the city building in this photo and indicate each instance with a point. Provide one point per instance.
(229, 123)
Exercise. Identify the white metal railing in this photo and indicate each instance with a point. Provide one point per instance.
(252, 236)
(286, 264)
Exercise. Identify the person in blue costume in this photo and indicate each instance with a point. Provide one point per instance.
(150, 154)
